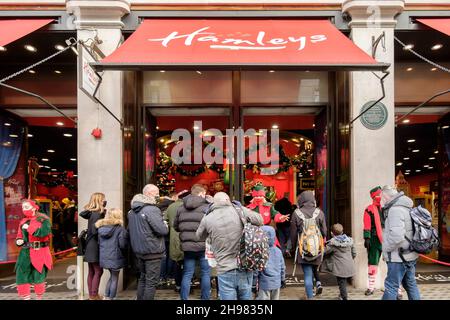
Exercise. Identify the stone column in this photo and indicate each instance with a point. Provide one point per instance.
(372, 151)
(100, 161)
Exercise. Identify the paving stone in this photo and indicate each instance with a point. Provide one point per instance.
(427, 291)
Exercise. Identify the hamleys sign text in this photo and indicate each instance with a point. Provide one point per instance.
(244, 41)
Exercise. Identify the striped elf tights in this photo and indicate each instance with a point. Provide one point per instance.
(23, 290)
(39, 289)
(373, 276)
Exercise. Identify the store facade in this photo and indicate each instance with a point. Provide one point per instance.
(312, 103)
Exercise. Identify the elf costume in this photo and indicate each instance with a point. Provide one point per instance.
(34, 258)
(264, 208)
(373, 236)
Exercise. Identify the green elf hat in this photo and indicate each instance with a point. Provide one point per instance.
(375, 192)
(259, 190)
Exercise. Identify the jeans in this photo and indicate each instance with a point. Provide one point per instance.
(167, 264)
(94, 276)
(111, 286)
(235, 285)
(308, 270)
(401, 273)
(190, 258)
(268, 294)
(316, 276)
(148, 279)
(342, 283)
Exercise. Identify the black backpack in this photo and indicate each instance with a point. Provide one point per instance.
(82, 243)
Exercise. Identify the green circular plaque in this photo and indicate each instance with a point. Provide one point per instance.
(376, 117)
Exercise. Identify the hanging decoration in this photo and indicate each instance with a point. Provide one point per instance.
(166, 168)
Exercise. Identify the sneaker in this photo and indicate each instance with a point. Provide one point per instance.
(319, 290)
(369, 292)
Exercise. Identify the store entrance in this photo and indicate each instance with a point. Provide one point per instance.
(205, 110)
(214, 105)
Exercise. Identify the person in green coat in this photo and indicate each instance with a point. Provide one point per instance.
(175, 252)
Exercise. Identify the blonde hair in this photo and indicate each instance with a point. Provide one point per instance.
(115, 214)
(96, 202)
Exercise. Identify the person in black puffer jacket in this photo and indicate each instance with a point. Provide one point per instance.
(186, 222)
(94, 211)
(147, 229)
(113, 240)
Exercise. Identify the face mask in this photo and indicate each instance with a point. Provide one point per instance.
(27, 210)
(28, 213)
(377, 200)
(258, 200)
(104, 203)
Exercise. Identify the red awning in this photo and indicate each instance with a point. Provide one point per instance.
(442, 25)
(187, 43)
(11, 30)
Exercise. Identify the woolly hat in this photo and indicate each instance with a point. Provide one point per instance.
(375, 192)
(259, 190)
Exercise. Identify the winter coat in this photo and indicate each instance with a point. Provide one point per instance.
(307, 204)
(338, 259)
(187, 221)
(270, 278)
(224, 227)
(175, 252)
(146, 228)
(397, 225)
(113, 241)
(92, 251)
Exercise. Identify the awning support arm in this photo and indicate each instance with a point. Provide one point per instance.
(109, 111)
(39, 98)
(422, 104)
(386, 73)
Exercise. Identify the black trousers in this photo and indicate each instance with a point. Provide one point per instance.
(342, 283)
(149, 277)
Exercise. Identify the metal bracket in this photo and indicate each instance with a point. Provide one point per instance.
(38, 97)
(386, 73)
(375, 43)
(422, 105)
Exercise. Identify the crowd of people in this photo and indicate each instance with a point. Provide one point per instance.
(168, 237)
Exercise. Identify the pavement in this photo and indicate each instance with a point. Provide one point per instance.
(433, 282)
